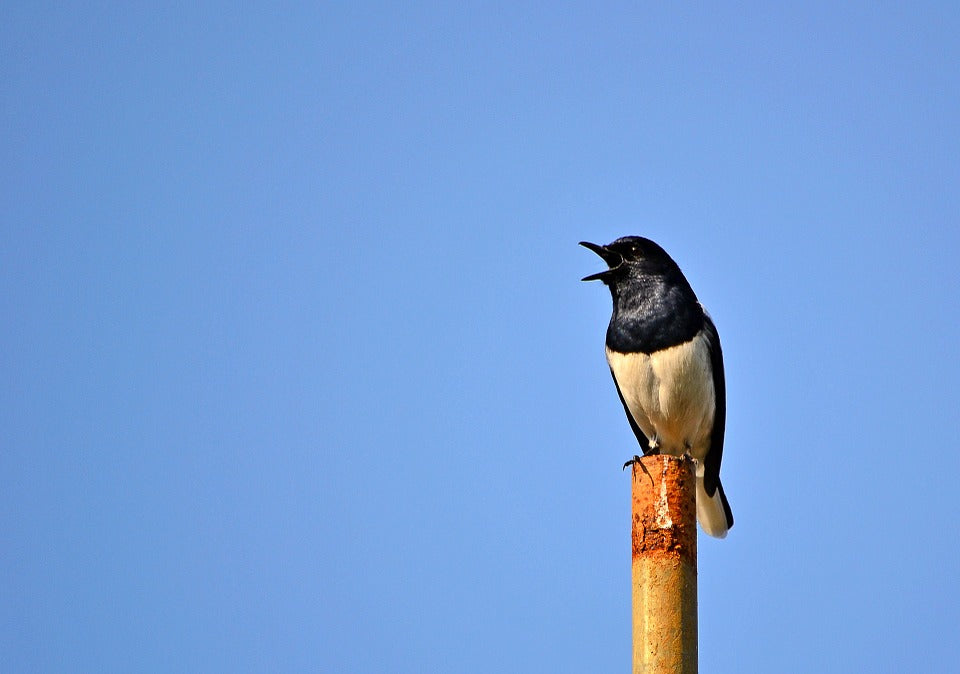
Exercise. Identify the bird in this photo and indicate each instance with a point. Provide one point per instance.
(664, 354)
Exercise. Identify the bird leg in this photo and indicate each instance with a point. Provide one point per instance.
(653, 448)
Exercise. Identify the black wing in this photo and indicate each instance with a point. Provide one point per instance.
(711, 463)
(641, 438)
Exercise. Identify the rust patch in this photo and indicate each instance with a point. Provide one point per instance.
(664, 508)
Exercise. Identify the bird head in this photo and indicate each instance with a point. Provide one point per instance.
(626, 254)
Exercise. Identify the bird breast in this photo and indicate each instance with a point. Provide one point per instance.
(670, 394)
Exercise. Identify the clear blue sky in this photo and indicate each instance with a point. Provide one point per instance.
(298, 375)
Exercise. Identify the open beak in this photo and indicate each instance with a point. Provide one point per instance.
(613, 260)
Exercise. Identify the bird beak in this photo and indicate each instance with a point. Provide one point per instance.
(613, 260)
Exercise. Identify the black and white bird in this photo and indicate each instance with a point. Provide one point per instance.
(664, 354)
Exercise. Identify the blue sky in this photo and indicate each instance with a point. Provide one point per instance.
(298, 375)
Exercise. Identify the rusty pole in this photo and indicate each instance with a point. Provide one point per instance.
(664, 566)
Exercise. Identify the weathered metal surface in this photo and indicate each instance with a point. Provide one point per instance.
(664, 566)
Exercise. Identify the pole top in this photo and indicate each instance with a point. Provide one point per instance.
(665, 506)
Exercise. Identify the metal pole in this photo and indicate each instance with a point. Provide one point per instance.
(664, 566)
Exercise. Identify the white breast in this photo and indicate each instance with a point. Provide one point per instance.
(670, 394)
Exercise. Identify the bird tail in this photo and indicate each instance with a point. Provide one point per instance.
(713, 512)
